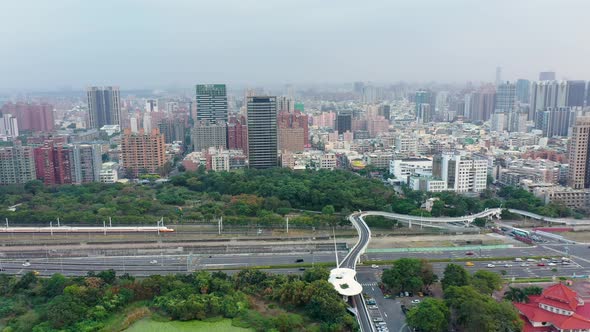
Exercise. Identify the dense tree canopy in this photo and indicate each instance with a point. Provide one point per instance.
(86, 303)
(431, 315)
(474, 311)
(408, 275)
(455, 275)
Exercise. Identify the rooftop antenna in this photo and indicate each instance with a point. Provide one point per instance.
(335, 249)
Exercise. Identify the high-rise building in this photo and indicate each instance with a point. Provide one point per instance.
(547, 94)
(358, 87)
(285, 104)
(371, 94)
(104, 106)
(377, 125)
(555, 121)
(172, 129)
(8, 127)
(343, 122)
(523, 91)
(54, 163)
(481, 104)
(143, 153)
(579, 154)
(547, 76)
(33, 117)
(293, 131)
(151, 105)
(576, 91)
(424, 113)
(498, 76)
(505, 98)
(425, 97)
(87, 163)
(499, 121)
(211, 103)
(517, 122)
(237, 134)
(385, 111)
(462, 174)
(262, 132)
(17, 165)
(206, 135)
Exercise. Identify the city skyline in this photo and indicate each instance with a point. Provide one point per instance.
(249, 43)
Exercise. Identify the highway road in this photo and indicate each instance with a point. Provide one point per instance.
(166, 263)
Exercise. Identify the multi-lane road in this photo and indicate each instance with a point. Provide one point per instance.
(143, 265)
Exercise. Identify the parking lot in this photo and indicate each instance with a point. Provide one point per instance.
(385, 310)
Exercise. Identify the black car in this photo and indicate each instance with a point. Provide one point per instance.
(299, 260)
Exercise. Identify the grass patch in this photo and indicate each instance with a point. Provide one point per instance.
(530, 280)
(148, 325)
(282, 266)
(121, 321)
(462, 259)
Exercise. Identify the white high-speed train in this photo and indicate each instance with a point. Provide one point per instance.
(69, 229)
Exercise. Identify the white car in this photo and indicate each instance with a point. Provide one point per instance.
(531, 260)
(524, 265)
(491, 265)
(416, 301)
(551, 264)
(375, 266)
(153, 261)
(507, 265)
(26, 264)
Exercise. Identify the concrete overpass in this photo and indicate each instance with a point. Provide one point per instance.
(345, 274)
(562, 221)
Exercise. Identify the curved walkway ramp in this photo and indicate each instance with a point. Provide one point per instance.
(345, 275)
(564, 221)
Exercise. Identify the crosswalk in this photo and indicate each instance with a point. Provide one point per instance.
(369, 284)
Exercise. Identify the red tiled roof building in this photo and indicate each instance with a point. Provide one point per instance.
(558, 308)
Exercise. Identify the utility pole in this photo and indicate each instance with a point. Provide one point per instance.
(110, 222)
(335, 248)
(287, 225)
(104, 227)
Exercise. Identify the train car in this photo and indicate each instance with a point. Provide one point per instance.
(69, 229)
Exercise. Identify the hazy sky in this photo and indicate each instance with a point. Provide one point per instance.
(142, 43)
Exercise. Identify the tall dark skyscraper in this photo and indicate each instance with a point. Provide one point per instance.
(262, 132)
(104, 106)
(576, 91)
(211, 103)
(547, 76)
(523, 91)
(343, 122)
(385, 111)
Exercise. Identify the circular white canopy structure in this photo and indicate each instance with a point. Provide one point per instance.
(344, 282)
